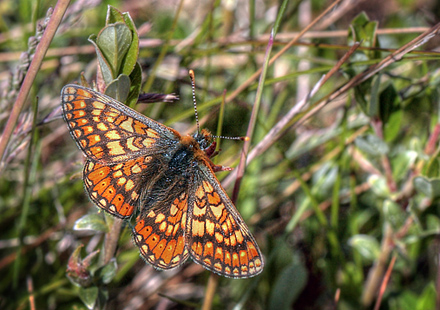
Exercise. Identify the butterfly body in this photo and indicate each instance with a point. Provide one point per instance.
(134, 162)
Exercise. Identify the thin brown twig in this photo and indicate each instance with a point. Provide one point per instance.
(211, 288)
(111, 240)
(431, 145)
(337, 297)
(375, 275)
(30, 288)
(384, 284)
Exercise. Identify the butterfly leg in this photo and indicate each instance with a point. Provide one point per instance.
(217, 168)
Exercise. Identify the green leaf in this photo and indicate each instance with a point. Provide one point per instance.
(432, 225)
(432, 168)
(362, 29)
(107, 272)
(135, 85)
(130, 60)
(104, 66)
(91, 222)
(427, 299)
(428, 187)
(373, 106)
(387, 102)
(287, 287)
(89, 296)
(367, 246)
(119, 88)
(379, 186)
(407, 300)
(402, 163)
(372, 145)
(113, 16)
(392, 127)
(393, 214)
(114, 42)
(361, 93)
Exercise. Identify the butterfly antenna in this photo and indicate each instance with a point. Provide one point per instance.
(232, 138)
(193, 87)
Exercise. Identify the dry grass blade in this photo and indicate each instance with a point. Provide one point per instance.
(40, 52)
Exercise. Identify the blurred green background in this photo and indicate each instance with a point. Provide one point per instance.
(341, 203)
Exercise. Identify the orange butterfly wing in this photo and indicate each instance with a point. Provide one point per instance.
(117, 188)
(120, 145)
(217, 236)
(109, 131)
(160, 233)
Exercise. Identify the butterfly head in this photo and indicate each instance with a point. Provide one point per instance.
(204, 138)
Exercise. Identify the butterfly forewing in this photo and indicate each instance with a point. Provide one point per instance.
(217, 236)
(109, 131)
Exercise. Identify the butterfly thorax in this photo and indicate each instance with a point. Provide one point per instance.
(196, 148)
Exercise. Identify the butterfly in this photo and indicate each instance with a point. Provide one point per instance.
(134, 163)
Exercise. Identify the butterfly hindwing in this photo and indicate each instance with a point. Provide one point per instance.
(160, 232)
(217, 236)
(117, 188)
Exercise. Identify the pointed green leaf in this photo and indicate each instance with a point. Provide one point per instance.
(362, 29)
(428, 187)
(135, 85)
(113, 16)
(373, 106)
(131, 58)
(89, 296)
(379, 186)
(104, 66)
(387, 102)
(423, 185)
(391, 128)
(119, 88)
(367, 246)
(91, 222)
(372, 145)
(394, 214)
(114, 42)
(427, 300)
(432, 168)
(402, 163)
(108, 272)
